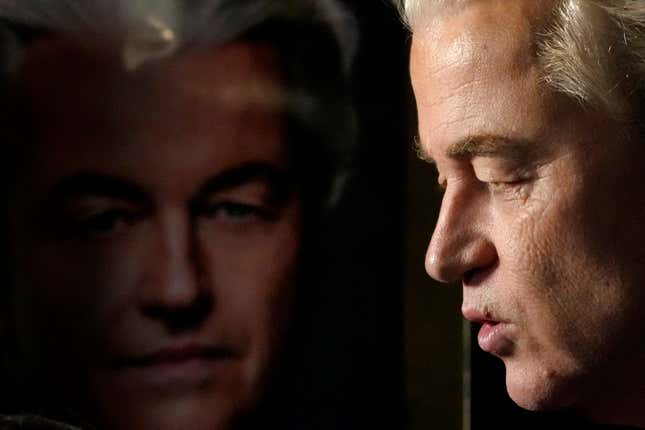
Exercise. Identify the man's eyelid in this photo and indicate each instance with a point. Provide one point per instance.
(236, 195)
(505, 165)
(442, 182)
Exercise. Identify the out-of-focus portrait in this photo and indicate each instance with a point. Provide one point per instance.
(169, 167)
(158, 202)
(171, 170)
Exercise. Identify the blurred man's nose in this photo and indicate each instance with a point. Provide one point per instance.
(460, 243)
(174, 291)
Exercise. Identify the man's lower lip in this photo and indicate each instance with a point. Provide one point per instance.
(494, 339)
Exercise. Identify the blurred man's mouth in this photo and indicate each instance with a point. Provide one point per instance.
(178, 366)
(175, 355)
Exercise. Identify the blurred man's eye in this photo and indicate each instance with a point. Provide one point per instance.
(110, 221)
(95, 217)
(97, 224)
(237, 211)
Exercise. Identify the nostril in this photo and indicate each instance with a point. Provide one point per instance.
(468, 276)
(477, 275)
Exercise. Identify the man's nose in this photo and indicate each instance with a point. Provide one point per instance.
(460, 243)
(174, 291)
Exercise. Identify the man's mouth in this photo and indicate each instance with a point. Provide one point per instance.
(479, 317)
(177, 369)
(175, 355)
(495, 335)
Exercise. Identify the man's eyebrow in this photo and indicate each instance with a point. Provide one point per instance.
(85, 184)
(485, 145)
(275, 177)
(489, 145)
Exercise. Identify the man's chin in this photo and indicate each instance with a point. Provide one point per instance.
(206, 412)
(537, 389)
(196, 396)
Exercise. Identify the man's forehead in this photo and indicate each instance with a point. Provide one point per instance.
(469, 71)
(483, 33)
(237, 74)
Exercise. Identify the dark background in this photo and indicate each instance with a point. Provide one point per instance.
(357, 343)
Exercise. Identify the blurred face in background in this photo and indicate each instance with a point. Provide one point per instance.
(155, 233)
(542, 216)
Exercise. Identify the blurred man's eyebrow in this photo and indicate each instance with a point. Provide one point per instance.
(84, 184)
(485, 145)
(273, 176)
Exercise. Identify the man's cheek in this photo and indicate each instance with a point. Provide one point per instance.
(527, 242)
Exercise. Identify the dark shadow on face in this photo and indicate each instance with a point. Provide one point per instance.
(155, 234)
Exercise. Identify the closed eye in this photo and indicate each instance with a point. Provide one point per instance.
(510, 183)
(511, 190)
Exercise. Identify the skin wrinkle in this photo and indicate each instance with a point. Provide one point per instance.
(558, 256)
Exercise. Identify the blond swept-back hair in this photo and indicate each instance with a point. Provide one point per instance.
(590, 50)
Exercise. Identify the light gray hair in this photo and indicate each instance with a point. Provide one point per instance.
(316, 41)
(593, 51)
(154, 28)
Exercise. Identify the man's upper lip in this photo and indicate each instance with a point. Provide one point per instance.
(479, 316)
(175, 354)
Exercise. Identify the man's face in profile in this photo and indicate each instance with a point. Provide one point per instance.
(155, 235)
(542, 216)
